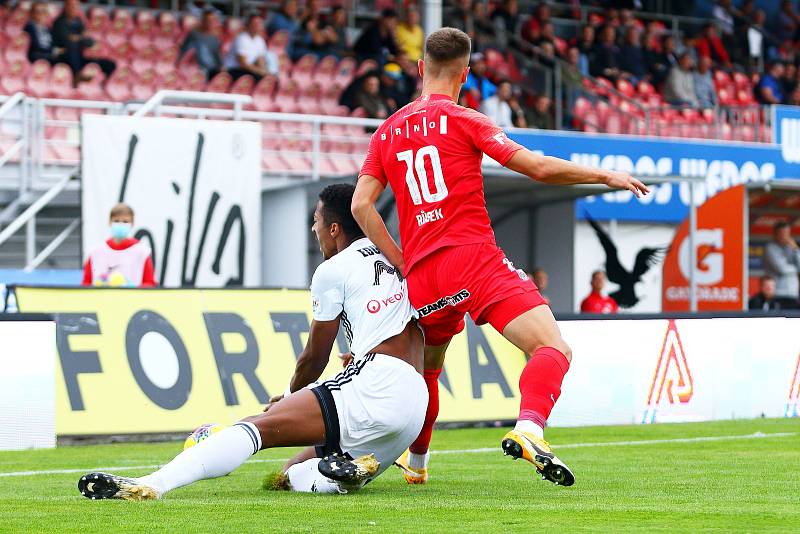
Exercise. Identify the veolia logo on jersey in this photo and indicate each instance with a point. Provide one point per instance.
(374, 306)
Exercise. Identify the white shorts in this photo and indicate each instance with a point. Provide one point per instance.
(375, 405)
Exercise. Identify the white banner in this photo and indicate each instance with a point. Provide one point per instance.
(646, 371)
(194, 185)
(27, 384)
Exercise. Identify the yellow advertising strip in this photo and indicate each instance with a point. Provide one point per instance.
(164, 360)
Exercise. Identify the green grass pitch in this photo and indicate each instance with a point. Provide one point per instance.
(727, 483)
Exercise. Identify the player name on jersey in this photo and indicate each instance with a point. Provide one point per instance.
(421, 124)
(425, 217)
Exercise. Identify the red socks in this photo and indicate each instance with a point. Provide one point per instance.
(420, 445)
(540, 384)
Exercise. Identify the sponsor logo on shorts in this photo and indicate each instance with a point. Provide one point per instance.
(443, 303)
(374, 306)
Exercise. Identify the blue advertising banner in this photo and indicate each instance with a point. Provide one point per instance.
(721, 164)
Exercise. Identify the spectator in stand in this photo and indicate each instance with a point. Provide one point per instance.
(794, 97)
(205, 44)
(789, 81)
(122, 261)
(765, 299)
(459, 16)
(249, 54)
(710, 45)
(596, 302)
(585, 45)
(782, 262)
(339, 45)
(679, 87)
(505, 18)
(396, 86)
(571, 74)
(661, 62)
(409, 35)
(755, 37)
(606, 54)
(503, 108)
(485, 32)
(626, 22)
(540, 116)
(786, 24)
(546, 53)
(69, 35)
(531, 30)
(632, 59)
(377, 40)
(770, 88)
(285, 20)
(368, 97)
(313, 37)
(540, 278)
(785, 52)
(723, 17)
(704, 84)
(41, 40)
(478, 87)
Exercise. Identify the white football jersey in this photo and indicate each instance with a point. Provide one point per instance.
(372, 297)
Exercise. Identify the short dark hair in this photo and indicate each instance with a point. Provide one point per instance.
(120, 209)
(780, 225)
(336, 200)
(445, 46)
(766, 277)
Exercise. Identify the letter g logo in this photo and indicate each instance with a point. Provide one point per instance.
(373, 306)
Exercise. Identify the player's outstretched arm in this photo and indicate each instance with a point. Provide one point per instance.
(556, 171)
(314, 358)
(368, 189)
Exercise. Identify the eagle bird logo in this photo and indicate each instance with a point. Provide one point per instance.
(647, 257)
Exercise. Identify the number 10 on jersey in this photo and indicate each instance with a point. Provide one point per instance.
(418, 186)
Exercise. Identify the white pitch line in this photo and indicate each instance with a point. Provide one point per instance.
(755, 435)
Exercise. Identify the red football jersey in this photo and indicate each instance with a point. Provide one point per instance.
(430, 153)
(598, 303)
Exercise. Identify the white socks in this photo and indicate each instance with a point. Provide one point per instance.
(216, 456)
(525, 425)
(305, 477)
(418, 461)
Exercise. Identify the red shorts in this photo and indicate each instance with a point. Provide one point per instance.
(477, 279)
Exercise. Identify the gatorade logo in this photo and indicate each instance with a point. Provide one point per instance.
(790, 140)
(672, 380)
(793, 406)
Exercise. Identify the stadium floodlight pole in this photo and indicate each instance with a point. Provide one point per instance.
(431, 15)
(692, 249)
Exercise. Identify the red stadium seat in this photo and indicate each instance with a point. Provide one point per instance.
(219, 83)
(366, 66)
(143, 86)
(345, 71)
(741, 81)
(145, 23)
(13, 79)
(97, 20)
(303, 69)
(194, 81)
(17, 47)
(325, 69)
(626, 88)
(243, 86)
(61, 81)
(92, 89)
(646, 88)
(118, 85)
(278, 42)
(38, 80)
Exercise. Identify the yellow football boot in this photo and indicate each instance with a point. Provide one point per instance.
(412, 476)
(537, 451)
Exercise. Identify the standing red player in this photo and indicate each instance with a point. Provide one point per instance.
(430, 153)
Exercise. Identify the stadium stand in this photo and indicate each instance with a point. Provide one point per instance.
(549, 52)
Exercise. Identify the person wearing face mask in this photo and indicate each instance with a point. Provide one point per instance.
(122, 260)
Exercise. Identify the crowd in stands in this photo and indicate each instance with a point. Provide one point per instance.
(680, 68)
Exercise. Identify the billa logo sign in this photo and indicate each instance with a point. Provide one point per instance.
(672, 380)
(719, 255)
(793, 406)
